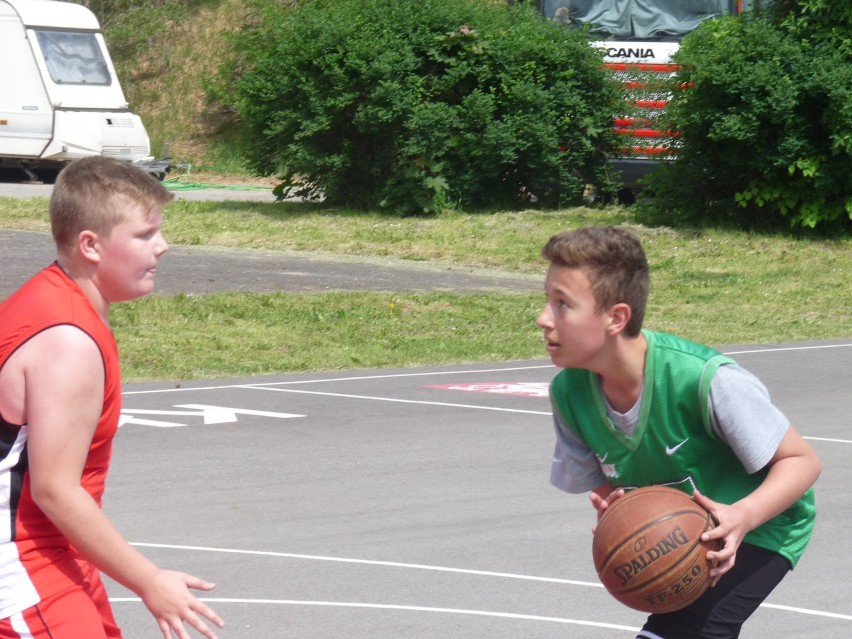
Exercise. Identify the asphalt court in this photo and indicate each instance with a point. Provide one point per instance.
(415, 503)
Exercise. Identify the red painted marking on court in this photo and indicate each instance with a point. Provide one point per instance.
(521, 389)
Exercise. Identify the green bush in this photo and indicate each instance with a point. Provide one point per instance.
(414, 105)
(766, 129)
(817, 21)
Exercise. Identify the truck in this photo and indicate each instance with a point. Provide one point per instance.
(60, 97)
(638, 39)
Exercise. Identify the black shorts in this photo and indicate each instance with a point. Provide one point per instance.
(721, 611)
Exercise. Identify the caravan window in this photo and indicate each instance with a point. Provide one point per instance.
(73, 57)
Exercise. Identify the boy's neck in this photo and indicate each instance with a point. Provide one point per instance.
(622, 380)
(82, 275)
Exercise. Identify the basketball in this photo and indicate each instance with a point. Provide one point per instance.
(648, 551)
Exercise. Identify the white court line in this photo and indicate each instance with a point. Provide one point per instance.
(828, 439)
(341, 379)
(371, 562)
(401, 401)
(788, 348)
(433, 373)
(806, 611)
(483, 573)
(456, 611)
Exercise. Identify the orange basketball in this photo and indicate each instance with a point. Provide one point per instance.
(648, 551)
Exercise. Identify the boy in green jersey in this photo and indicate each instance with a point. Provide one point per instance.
(634, 407)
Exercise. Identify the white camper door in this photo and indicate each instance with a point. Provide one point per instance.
(26, 117)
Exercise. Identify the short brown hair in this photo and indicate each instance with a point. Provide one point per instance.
(95, 194)
(614, 262)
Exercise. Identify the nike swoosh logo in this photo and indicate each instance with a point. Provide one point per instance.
(671, 450)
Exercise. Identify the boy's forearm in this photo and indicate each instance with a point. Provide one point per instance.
(91, 533)
(787, 480)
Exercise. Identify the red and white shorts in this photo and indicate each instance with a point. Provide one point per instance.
(80, 612)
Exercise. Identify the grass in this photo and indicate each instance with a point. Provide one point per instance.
(234, 334)
(714, 286)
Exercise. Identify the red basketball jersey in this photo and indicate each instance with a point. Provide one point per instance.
(36, 561)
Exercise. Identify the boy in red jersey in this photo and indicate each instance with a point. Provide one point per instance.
(60, 399)
(634, 407)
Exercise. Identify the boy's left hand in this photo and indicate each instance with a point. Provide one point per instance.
(732, 528)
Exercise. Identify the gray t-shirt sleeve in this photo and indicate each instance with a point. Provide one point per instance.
(574, 467)
(743, 416)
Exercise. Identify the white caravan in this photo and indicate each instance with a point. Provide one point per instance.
(60, 98)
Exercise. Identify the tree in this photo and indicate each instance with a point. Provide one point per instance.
(416, 104)
(766, 123)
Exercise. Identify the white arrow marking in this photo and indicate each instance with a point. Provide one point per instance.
(130, 419)
(210, 414)
(223, 414)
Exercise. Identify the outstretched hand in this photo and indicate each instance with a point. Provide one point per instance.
(168, 598)
(731, 529)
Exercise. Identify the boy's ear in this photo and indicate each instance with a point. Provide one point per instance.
(619, 316)
(88, 244)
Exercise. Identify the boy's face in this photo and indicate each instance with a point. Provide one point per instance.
(129, 255)
(575, 332)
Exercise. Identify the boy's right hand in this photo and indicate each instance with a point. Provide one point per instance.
(167, 597)
(602, 503)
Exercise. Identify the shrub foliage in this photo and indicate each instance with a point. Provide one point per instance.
(414, 105)
(766, 123)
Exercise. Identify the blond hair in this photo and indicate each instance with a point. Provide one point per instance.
(97, 193)
(614, 262)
